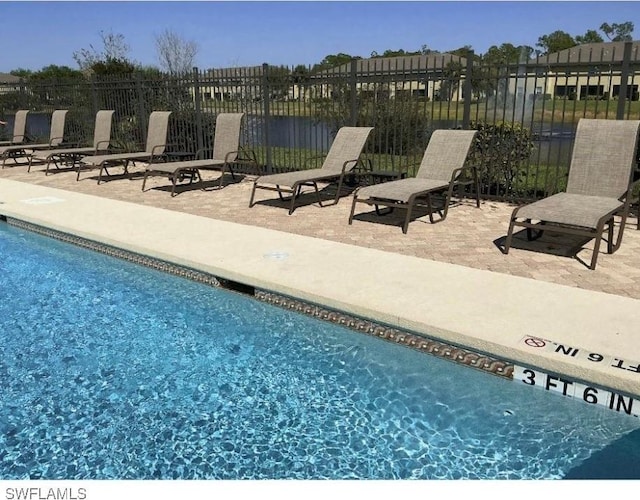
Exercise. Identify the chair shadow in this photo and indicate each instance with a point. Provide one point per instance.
(207, 185)
(558, 244)
(132, 176)
(397, 216)
(54, 170)
(308, 197)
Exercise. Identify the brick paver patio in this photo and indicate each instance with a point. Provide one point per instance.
(469, 236)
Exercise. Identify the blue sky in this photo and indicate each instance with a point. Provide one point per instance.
(243, 33)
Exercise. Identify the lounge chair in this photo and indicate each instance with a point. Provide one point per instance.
(598, 188)
(342, 157)
(24, 150)
(19, 128)
(155, 147)
(441, 169)
(226, 152)
(72, 156)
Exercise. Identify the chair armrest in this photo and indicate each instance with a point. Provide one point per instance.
(458, 171)
(200, 152)
(252, 158)
(103, 146)
(54, 141)
(344, 165)
(158, 147)
(237, 156)
(364, 166)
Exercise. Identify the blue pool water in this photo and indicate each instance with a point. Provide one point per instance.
(110, 370)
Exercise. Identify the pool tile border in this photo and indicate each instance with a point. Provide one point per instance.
(405, 338)
(420, 343)
(120, 253)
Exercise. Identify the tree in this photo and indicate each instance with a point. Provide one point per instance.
(395, 53)
(507, 53)
(300, 77)
(451, 77)
(461, 52)
(21, 72)
(618, 32)
(54, 72)
(114, 49)
(425, 50)
(175, 54)
(278, 80)
(333, 61)
(591, 36)
(112, 66)
(556, 41)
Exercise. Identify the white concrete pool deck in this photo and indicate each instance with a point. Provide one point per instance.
(481, 310)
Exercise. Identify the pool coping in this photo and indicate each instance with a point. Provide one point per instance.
(562, 339)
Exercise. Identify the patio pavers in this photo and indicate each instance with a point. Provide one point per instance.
(468, 237)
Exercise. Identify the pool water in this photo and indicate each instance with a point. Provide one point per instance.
(111, 370)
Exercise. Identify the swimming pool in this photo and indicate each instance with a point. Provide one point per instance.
(112, 370)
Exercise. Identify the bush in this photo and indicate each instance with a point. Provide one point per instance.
(401, 124)
(183, 127)
(499, 150)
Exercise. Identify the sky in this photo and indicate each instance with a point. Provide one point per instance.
(248, 33)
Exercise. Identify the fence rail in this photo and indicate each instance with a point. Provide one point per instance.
(293, 113)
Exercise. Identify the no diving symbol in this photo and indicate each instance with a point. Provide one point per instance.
(532, 342)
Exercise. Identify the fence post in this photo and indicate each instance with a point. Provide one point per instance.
(266, 115)
(23, 92)
(353, 89)
(467, 90)
(624, 78)
(94, 93)
(198, 109)
(142, 116)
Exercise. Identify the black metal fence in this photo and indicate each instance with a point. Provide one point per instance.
(528, 111)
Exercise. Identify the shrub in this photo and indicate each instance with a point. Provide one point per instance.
(499, 150)
(401, 124)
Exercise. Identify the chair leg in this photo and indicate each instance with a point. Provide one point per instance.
(596, 249)
(405, 225)
(623, 223)
(610, 245)
(253, 192)
(198, 177)
(407, 218)
(429, 207)
(353, 208)
(337, 198)
(102, 167)
(380, 212)
(296, 192)
(144, 179)
(173, 184)
(531, 235)
(315, 187)
(447, 202)
(512, 223)
(477, 185)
